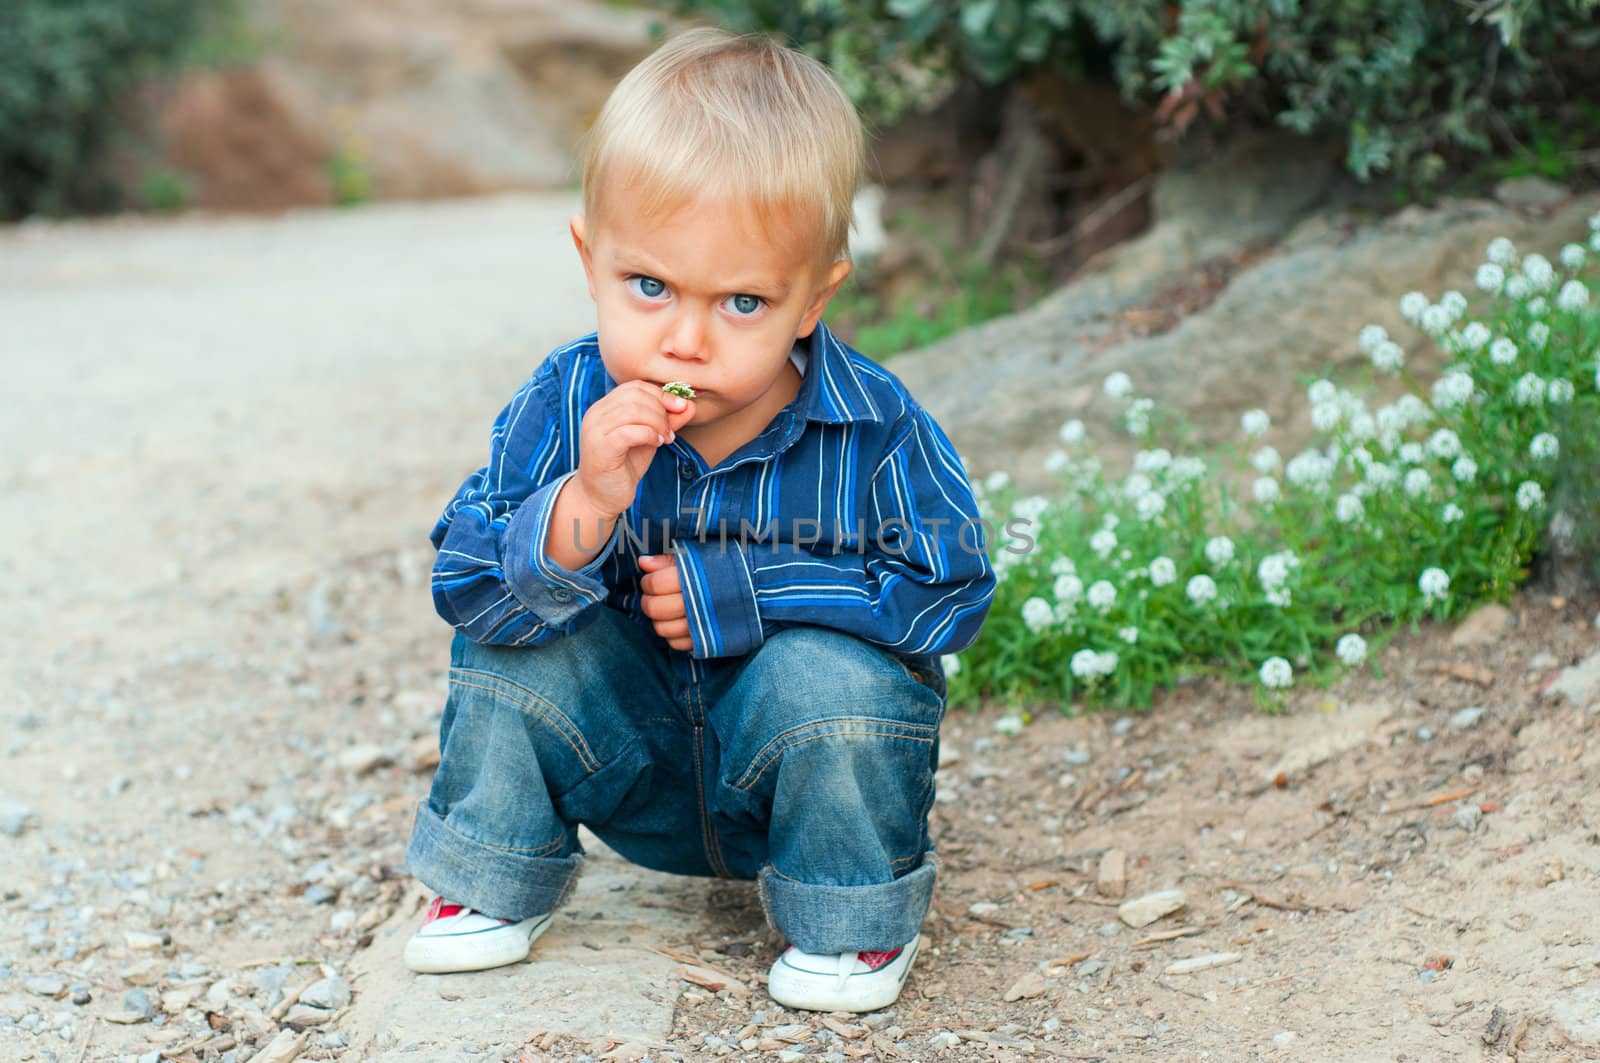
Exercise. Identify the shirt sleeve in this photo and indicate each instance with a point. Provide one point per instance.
(492, 580)
(921, 584)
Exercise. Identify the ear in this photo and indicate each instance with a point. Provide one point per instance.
(830, 285)
(579, 226)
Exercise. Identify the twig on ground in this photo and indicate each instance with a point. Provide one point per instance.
(1268, 902)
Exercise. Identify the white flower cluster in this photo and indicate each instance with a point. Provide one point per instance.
(1351, 649)
(1037, 614)
(1276, 673)
(1090, 665)
(1274, 572)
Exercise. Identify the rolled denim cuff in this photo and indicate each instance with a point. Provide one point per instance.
(497, 882)
(825, 920)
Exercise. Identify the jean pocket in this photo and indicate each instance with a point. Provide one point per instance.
(925, 670)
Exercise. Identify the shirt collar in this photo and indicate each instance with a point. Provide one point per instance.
(833, 389)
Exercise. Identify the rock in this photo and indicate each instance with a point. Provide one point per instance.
(302, 1015)
(793, 1032)
(1531, 191)
(1142, 911)
(1283, 1039)
(1078, 756)
(1203, 963)
(126, 1018)
(328, 993)
(138, 1000)
(1044, 365)
(1467, 817)
(44, 986)
(1579, 684)
(141, 940)
(363, 759)
(423, 754)
(1465, 718)
(15, 817)
(218, 995)
(1543, 661)
(943, 1039)
(281, 1049)
(1112, 881)
(1483, 624)
(420, 101)
(1027, 987)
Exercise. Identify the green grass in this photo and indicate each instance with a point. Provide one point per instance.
(967, 296)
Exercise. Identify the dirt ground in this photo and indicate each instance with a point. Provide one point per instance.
(224, 682)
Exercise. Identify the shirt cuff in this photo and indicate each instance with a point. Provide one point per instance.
(552, 593)
(719, 596)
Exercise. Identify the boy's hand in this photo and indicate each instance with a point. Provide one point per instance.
(619, 437)
(663, 600)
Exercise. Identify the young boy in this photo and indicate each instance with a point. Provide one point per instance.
(706, 627)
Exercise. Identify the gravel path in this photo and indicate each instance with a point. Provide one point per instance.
(224, 444)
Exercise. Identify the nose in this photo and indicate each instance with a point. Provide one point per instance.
(685, 339)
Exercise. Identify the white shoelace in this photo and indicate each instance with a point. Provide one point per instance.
(847, 967)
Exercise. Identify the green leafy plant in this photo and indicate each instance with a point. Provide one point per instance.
(1404, 83)
(349, 176)
(67, 71)
(165, 190)
(943, 305)
(1425, 507)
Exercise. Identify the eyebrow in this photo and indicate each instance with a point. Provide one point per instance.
(775, 290)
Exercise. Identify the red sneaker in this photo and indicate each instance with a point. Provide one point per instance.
(457, 938)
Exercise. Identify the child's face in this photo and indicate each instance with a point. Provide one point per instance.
(708, 296)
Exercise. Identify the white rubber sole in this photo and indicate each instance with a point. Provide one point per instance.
(495, 947)
(807, 991)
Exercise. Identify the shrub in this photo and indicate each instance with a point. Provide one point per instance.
(1424, 507)
(67, 68)
(1404, 83)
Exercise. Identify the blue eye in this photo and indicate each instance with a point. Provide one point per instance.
(649, 287)
(745, 305)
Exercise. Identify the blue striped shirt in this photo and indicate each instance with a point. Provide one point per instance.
(851, 510)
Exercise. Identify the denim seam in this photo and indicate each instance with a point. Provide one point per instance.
(532, 705)
(893, 863)
(537, 850)
(708, 830)
(769, 755)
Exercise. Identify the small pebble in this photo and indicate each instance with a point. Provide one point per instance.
(44, 985)
(331, 994)
(138, 1000)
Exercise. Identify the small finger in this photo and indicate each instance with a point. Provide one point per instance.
(673, 629)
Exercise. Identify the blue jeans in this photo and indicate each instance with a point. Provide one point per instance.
(807, 765)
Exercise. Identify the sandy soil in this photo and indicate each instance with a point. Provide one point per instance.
(225, 678)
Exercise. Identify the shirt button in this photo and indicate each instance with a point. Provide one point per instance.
(686, 470)
(561, 594)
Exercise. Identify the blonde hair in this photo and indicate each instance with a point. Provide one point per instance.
(743, 117)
